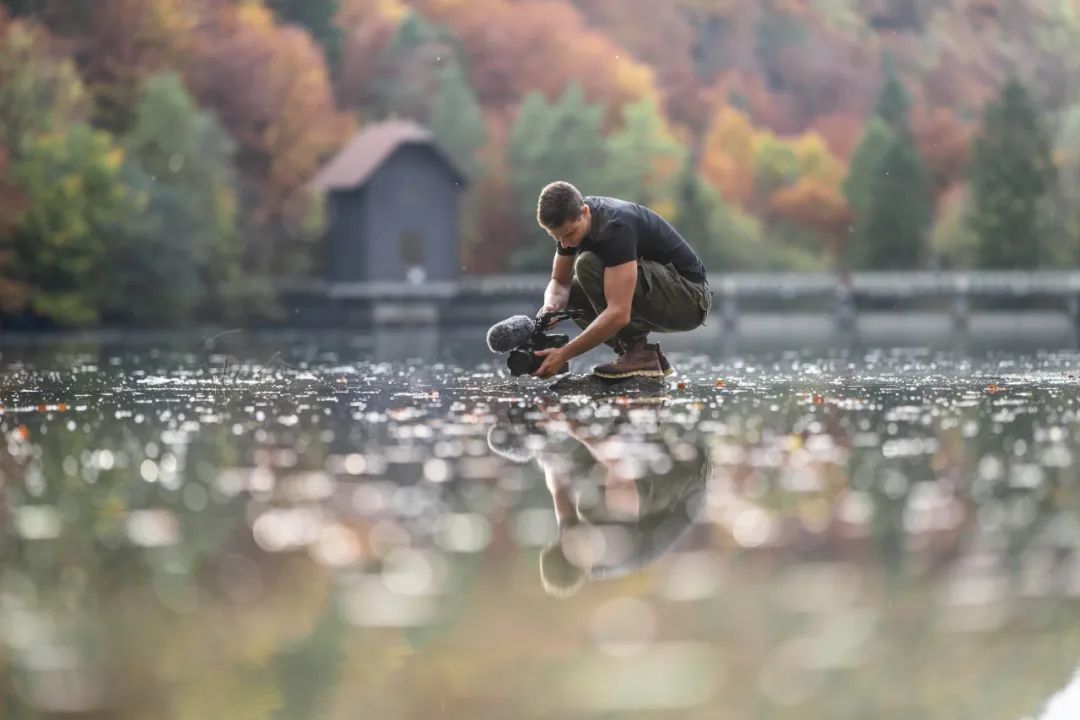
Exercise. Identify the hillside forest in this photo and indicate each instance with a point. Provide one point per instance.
(155, 154)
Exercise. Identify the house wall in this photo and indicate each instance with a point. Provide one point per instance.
(413, 195)
(344, 255)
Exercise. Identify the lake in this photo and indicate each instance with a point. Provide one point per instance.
(296, 526)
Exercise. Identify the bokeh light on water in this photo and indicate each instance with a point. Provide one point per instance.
(886, 534)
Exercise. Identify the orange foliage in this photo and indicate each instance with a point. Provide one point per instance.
(492, 202)
(841, 132)
(728, 158)
(120, 43)
(814, 204)
(943, 143)
(268, 84)
(367, 26)
(516, 47)
(662, 35)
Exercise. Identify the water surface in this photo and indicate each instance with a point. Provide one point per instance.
(305, 529)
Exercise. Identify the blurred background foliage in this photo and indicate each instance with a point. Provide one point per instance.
(160, 149)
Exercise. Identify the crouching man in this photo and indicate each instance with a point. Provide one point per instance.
(630, 272)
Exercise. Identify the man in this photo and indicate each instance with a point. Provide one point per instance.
(628, 270)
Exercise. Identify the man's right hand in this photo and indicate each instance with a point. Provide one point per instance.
(551, 307)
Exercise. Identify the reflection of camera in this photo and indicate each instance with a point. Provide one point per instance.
(523, 360)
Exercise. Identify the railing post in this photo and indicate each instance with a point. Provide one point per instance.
(729, 305)
(961, 305)
(845, 310)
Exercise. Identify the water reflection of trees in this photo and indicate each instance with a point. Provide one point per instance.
(305, 544)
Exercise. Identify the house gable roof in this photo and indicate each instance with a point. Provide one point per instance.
(354, 165)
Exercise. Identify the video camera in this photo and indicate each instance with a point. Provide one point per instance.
(523, 336)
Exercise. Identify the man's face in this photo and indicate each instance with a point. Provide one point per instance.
(572, 232)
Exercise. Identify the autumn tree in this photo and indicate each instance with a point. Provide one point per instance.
(515, 47)
(117, 44)
(644, 158)
(1011, 174)
(318, 18)
(76, 200)
(39, 92)
(366, 27)
(552, 141)
(283, 118)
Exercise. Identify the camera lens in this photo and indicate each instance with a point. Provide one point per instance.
(521, 362)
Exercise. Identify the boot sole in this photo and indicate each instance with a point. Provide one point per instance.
(633, 373)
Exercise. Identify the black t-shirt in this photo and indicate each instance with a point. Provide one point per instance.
(623, 231)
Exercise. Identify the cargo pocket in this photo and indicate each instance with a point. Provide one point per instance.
(645, 282)
(705, 299)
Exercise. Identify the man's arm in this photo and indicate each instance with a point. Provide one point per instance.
(558, 290)
(620, 282)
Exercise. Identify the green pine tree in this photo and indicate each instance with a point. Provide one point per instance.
(411, 68)
(888, 188)
(893, 104)
(898, 214)
(644, 158)
(184, 251)
(456, 119)
(548, 142)
(1011, 174)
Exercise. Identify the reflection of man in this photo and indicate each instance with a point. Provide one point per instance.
(614, 516)
(630, 272)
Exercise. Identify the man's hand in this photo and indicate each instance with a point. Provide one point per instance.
(554, 359)
(549, 307)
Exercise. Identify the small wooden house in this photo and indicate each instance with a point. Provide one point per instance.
(392, 204)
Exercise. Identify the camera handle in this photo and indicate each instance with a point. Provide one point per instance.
(554, 316)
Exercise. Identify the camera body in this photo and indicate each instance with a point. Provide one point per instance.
(523, 360)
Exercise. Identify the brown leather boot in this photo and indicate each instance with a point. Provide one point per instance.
(665, 366)
(636, 359)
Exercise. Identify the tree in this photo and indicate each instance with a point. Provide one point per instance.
(1067, 196)
(866, 164)
(893, 103)
(456, 120)
(39, 92)
(184, 251)
(1011, 174)
(317, 17)
(548, 142)
(888, 189)
(77, 200)
(14, 292)
(283, 118)
(644, 158)
(412, 68)
(117, 44)
(891, 233)
(728, 161)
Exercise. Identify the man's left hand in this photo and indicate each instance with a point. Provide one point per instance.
(554, 359)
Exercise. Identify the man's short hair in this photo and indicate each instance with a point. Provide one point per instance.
(560, 202)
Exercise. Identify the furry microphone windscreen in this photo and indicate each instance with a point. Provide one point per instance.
(510, 333)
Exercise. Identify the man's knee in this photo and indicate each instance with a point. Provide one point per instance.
(589, 269)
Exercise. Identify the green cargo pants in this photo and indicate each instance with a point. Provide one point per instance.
(664, 301)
